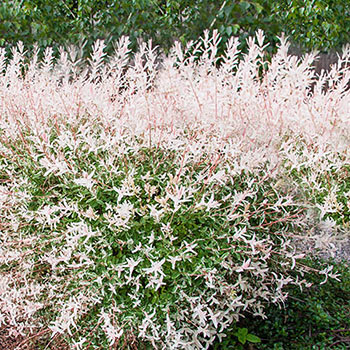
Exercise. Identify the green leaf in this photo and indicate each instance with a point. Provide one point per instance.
(243, 331)
(258, 7)
(228, 9)
(242, 339)
(244, 5)
(235, 28)
(253, 338)
(241, 334)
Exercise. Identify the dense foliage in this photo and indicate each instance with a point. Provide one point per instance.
(315, 318)
(154, 205)
(310, 24)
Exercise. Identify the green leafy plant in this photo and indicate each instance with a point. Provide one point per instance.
(312, 24)
(313, 318)
(243, 336)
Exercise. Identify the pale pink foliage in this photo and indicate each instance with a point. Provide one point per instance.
(191, 105)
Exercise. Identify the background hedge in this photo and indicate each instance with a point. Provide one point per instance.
(323, 25)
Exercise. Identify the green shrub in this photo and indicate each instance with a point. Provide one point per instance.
(312, 24)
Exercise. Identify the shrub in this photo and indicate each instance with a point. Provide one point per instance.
(311, 24)
(147, 207)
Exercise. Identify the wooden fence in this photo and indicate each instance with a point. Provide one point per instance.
(324, 61)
